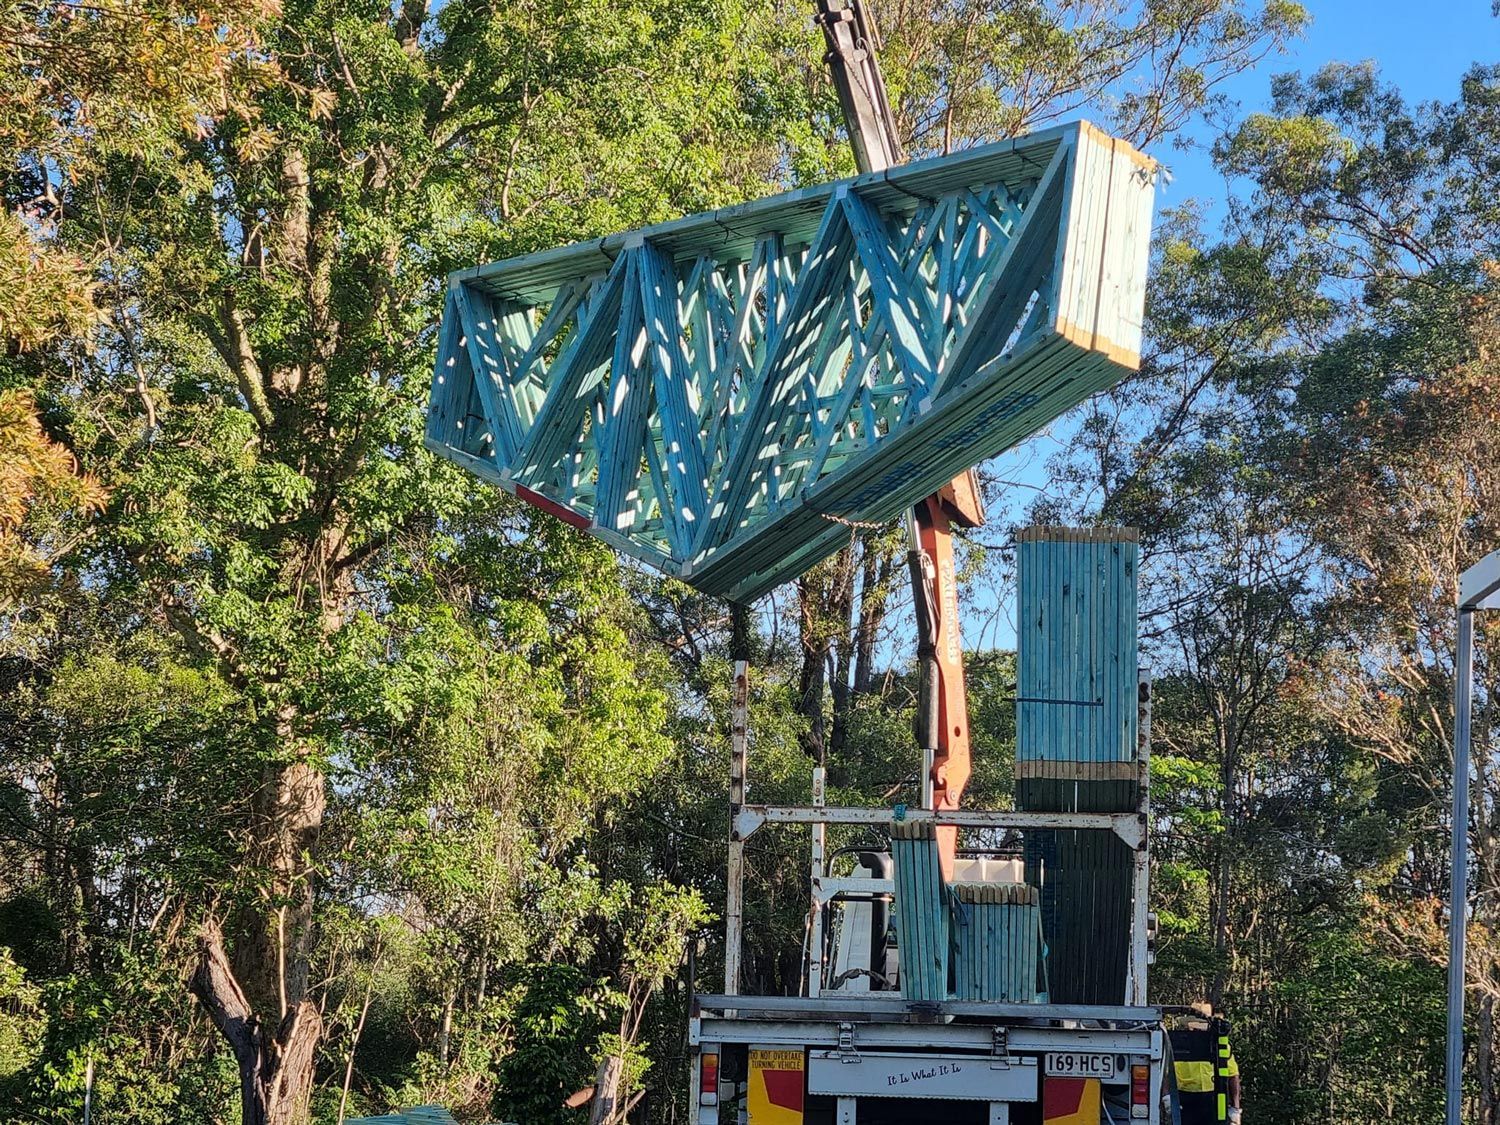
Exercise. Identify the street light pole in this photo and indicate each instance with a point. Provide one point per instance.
(1458, 896)
(1478, 588)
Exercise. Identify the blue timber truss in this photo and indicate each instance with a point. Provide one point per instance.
(720, 396)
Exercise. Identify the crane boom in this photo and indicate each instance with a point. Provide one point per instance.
(942, 710)
(852, 42)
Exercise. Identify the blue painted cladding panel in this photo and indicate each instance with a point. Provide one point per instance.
(420, 1115)
(996, 947)
(1077, 640)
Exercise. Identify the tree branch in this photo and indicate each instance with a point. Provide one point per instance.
(214, 983)
(231, 339)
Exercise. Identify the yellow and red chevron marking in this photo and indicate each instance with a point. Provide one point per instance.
(1070, 1101)
(777, 1082)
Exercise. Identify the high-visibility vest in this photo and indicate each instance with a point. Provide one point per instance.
(1194, 1077)
(1227, 1067)
(1203, 1063)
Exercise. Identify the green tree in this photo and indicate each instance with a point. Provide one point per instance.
(271, 263)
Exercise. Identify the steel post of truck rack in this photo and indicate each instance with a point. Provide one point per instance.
(1478, 589)
(1140, 941)
(818, 871)
(734, 894)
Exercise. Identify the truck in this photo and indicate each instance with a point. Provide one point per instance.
(1003, 984)
(857, 1047)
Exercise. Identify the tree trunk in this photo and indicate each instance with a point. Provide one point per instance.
(445, 1029)
(359, 1029)
(606, 1090)
(273, 937)
(276, 1071)
(266, 985)
(841, 651)
(1223, 869)
(875, 589)
(1484, 1061)
(810, 683)
(825, 597)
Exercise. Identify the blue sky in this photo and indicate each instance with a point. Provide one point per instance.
(1424, 48)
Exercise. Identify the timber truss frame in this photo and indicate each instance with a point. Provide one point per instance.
(720, 396)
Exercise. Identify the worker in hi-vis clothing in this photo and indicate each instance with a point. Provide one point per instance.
(1208, 1077)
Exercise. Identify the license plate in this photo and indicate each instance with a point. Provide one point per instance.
(1078, 1064)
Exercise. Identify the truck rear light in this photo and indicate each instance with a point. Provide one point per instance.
(1140, 1091)
(708, 1079)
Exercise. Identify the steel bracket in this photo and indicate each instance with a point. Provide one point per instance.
(1000, 1049)
(746, 821)
(847, 1051)
(1132, 830)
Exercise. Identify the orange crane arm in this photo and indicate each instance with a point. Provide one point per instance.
(943, 711)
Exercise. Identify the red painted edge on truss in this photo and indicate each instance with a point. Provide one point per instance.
(552, 507)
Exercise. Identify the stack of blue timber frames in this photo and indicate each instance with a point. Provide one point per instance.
(1076, 751)
(922, 928)
(996, 946)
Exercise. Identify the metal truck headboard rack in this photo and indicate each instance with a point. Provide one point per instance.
(1127, 826)
(713, 395)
